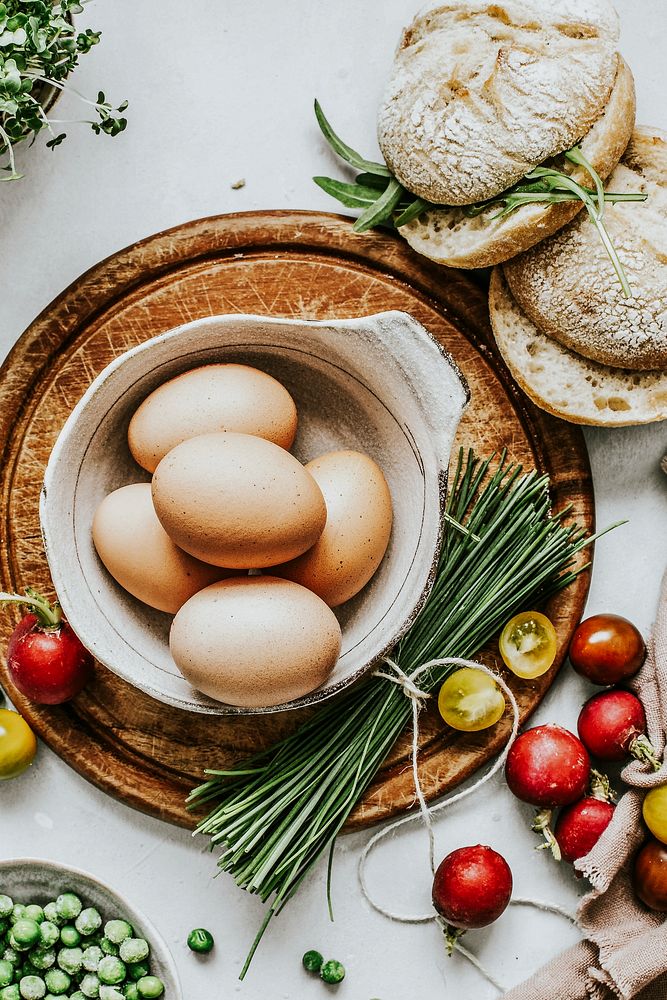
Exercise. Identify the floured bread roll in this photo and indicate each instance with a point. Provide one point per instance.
(482, 92)
(449, 236)
(568, 287)
(565, 383)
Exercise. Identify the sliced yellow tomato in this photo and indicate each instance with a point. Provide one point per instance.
(655, 812)
(528, 644)
(18, 745)
(470, 700)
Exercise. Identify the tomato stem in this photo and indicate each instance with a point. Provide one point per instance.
(542, 824)
(642, 748)
(48, 615)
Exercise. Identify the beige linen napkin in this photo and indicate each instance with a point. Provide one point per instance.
(624, 954)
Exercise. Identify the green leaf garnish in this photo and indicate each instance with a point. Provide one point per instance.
(384, 201)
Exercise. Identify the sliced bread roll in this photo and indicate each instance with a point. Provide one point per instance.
(564, 383)
(481, 92)
(449, 236)
(568, 287)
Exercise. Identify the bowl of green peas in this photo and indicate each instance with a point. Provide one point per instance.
(64, 935)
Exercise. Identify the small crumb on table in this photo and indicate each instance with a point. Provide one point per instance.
(238, 184)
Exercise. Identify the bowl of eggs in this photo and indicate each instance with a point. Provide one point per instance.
(244, 514)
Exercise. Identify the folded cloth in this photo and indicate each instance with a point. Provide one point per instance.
(624, 954)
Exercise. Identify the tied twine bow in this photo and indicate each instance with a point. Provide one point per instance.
(418, 697)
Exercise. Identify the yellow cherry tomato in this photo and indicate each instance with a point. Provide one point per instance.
(655, 812)
(528, 644)
(470, 700)
(18, 745)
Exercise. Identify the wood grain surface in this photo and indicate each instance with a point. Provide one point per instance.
(296, 264)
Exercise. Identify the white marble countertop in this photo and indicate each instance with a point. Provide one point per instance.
(223, 91)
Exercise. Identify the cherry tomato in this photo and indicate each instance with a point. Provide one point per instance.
(18, 745)
(607, 649)
(470, 700)
(47, 664)
(654, 811)
(528, 644)
(472, 887)
(650, 876)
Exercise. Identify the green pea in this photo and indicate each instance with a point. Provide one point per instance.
(70, 936)
(6, 905)
(131, 992)
(6, 972)
(49, 934)
(332, 972)
(90, 985)
(88, 921)
(117, 931)
(11, 955)
(57, 981)
(134, 950)
(51, 914)
(92, 957)
(24, 934)
(149, 987)
(312, 961)
(42, 958)
(34, 912)
(32, 988)
(10, 992)
(108, 947)
(4, 926)
(76, 996)
(111, 970)
(68, 906)
(136, 970)
(200, 940)
(70, 960)
(18, 912)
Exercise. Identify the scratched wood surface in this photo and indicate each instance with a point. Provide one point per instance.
(279, 263)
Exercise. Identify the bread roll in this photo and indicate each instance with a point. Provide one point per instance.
(482, 92)
(564, 383)
(448, 236)
(568, 287)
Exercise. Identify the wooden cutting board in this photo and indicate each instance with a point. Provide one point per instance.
(297, 264)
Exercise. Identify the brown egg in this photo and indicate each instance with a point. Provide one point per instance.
(141, 556)
(212, 398)
(237, 501)
(255, 641)
(356, 535)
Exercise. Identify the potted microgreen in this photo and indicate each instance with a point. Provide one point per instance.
(39, 48)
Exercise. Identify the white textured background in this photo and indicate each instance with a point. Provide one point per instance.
(221, 91)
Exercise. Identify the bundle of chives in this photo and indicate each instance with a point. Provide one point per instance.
(274, 815)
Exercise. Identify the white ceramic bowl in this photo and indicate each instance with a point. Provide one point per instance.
(379, 384)
(29, 880)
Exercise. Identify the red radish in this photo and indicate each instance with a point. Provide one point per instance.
(47, 662)
(650, 876)
(580, 826)
(607, 649)
(548, 767)
(612, 726)
(471, 888)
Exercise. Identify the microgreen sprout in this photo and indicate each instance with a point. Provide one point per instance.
(39, 48)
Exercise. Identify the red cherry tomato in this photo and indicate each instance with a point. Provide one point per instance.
(607, 649)
(472, 887)
(547, 767)
(48, 664)
(650, 876)
(581, 825)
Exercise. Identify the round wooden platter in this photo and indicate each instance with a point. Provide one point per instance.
(298, 264)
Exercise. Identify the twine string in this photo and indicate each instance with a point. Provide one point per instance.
(418, 697)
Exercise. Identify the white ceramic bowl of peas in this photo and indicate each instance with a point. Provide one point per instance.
(32, 881)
